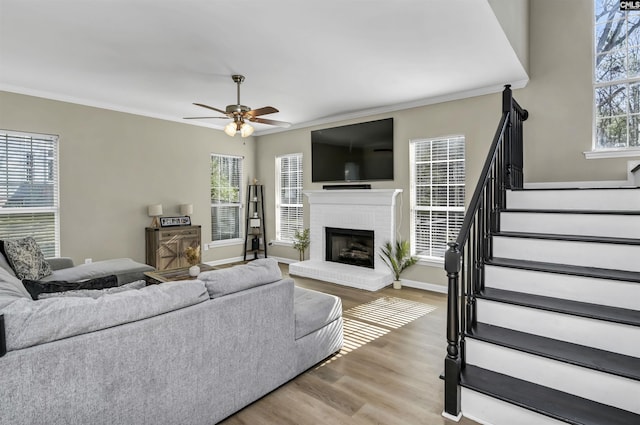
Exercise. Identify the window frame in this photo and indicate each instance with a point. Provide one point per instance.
(240, 238)
(414, 207)
(52, 170)
(278, 174)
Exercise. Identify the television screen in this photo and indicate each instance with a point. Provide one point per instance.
(353, 153)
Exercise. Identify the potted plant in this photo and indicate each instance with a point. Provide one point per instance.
(192, 255)
(301, 242)
(397, 258)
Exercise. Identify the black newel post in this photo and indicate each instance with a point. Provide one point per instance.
(452, 362)
(3, 342)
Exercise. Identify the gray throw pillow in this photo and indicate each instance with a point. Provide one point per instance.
(95, 293)
(11, 289)
(26, 258)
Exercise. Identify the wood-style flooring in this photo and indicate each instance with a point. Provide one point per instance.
(387, 373)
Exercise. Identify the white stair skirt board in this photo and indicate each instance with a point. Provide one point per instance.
(613, 293)
(491, 411)
(586, 383)
(589, 254)
(597, 199)
(615, 337)
(343, 274)
(615, 226)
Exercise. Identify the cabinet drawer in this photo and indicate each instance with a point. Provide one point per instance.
(168, 234)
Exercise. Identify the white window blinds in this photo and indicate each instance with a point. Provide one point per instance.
(226, 178)
(437, 194)
(289, 211)
(29, 189)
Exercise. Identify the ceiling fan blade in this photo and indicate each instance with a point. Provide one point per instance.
(203, 118)
(262, 111)
(271, 122)
(211, 107)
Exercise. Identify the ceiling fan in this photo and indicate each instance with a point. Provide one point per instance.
(239, 113)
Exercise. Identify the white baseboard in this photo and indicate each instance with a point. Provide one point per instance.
(424, 285)
(223, 261)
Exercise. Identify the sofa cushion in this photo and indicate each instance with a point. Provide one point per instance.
(126, 269)
(26, 258)
(37, 287)
(95, 293)
(4, 264)
(29, 323)
(11, 288)
(313, 310)
(238, 278)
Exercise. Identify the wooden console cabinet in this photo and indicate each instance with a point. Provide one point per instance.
(165, 246)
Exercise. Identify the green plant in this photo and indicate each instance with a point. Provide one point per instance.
(301, 241)
(397, 257)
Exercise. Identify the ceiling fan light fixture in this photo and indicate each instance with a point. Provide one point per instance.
(246, 130)
(230, 129)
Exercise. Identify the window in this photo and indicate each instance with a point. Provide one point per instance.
(616, 77)
(29, 189)
(289, 214)
(437, 194)
(226, 175)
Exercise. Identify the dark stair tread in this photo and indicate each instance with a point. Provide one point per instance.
(576, 308)
(594, 272)
(568, 211)
(572, 238)
(547, 401)
(579, 355)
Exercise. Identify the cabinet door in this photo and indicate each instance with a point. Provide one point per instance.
(170, 250)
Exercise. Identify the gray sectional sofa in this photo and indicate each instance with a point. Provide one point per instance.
(190, 352)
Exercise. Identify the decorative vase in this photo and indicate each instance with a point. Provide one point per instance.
(397, 284)
(194, 271)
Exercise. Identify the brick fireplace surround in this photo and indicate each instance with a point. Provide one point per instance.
(359, 209)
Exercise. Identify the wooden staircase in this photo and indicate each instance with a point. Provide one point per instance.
(556, 332)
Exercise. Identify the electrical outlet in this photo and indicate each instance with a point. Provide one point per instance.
(88, 260)
(206, 247)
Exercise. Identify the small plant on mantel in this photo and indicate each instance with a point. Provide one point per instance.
(397, 258)
(301, 242)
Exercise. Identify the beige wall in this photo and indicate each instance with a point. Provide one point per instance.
(112, 165)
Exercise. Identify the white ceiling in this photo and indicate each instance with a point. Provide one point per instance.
(315, 61)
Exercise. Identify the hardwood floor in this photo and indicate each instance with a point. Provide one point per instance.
(387, 373)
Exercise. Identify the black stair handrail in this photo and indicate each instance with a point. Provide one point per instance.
(465, 257)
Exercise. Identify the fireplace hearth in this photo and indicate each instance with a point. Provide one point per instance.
(350, 246)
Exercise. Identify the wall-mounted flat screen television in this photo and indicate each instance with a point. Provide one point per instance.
(353, 153)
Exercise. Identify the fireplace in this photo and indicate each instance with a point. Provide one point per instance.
(350, 246)
(370, 211)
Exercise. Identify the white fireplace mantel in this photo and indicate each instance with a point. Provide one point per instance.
(359, 209)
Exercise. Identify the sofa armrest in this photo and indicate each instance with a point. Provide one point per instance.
(60, 263)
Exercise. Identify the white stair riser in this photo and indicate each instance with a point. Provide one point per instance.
(583, 382)
(613, 293)
(590, 254)
(491, 411)
(607, 199)
(615, 337)
(615, 226)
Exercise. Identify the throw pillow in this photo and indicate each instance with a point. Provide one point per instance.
(35, 287)
(95, 293)
(26, 258)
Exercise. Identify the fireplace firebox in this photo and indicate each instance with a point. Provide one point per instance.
(350, 246)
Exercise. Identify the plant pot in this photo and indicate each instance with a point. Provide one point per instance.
(397, 284)
(194, 271)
